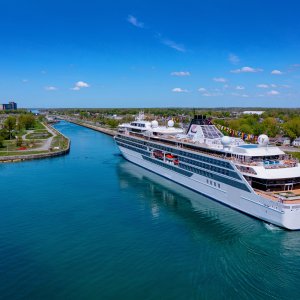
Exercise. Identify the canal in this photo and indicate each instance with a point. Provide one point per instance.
(91, 225)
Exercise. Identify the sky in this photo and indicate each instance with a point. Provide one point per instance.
(192, 53)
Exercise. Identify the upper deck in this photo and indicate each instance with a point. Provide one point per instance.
(269, 158)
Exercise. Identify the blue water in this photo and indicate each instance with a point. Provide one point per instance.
(90, 225)
(249, 146)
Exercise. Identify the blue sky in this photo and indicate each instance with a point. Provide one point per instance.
(150, 53)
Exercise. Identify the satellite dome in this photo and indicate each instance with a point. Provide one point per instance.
(263, 140)
(170, 123)
(226, 140)
(154, 124)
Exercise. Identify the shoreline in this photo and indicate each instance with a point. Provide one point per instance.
(107, 131)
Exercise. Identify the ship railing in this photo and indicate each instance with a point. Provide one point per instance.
(285, 161)
(268, 195)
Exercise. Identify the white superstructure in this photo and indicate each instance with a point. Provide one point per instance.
(142, 126)
(257, 179)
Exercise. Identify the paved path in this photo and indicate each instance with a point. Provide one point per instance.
(48, 142)
(24, 135)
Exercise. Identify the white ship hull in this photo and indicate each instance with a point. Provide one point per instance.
(287, 216)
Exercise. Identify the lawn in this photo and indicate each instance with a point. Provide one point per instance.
(16, 153)
(295, 154)
(59, 141)
(11, 145)
(38, 135)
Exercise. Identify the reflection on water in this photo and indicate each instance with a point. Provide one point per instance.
(256, 258)
(194, 208)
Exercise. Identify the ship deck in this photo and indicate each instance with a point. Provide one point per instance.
(286, 197)
(187, 144)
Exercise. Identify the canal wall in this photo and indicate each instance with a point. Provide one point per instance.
(93, 127)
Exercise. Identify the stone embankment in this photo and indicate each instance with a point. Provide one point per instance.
(53, 153)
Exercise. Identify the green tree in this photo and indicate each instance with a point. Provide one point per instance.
(10, 125)
(26, 121)
(271, 126)
(292, 128)
(112, 123)
(19, 141)
(4, 134)
(1, 141)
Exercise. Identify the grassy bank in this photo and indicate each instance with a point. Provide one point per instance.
(295, 154)
(18, 153)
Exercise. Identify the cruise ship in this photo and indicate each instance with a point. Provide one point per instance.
(257, 179)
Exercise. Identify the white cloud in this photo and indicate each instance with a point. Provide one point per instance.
(82, 84)
(239, 87)
(79, 85)
(173, 45)
(179, 90)
(50, 88)
(276, 72)
(273, 85)
(247, 70)
(134, 21)
(225, 86)
(202, 89)
(234, 59)
(263, 86)
(219, 79)
(181, 73)
(273, 93)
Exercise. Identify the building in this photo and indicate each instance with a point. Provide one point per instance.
(296, 142)
(253, 112)
(283, 141)
(9, 106)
